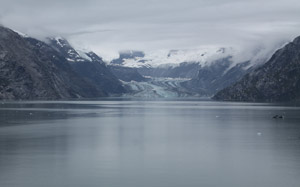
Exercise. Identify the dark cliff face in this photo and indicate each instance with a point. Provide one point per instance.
(126, 74)
(91, 68)
(216, 76)
(30, 69)
(277, 80)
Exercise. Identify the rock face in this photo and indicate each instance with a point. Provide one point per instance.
(218, 75)
(277, 80)
(126, 74)
(89, 66)
(30, 69)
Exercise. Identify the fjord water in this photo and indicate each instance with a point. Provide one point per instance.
(149, 144)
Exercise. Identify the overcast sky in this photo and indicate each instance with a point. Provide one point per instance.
(108, 26)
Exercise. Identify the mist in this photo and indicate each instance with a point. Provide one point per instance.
(255, 28)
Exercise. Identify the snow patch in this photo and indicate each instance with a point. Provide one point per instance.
(70, 60)
(21, 34)
(58, 41)
(83, 54)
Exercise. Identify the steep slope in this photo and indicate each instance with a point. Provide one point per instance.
(126, 74)
(30, 69)
(90, 66)
(277, 80)
(218, 75)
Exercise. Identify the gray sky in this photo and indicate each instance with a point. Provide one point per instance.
(108, 26)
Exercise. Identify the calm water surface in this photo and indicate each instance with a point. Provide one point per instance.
(148, 144)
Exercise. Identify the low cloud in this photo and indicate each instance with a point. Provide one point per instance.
(109, 26)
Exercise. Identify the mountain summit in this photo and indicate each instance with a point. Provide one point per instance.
(90, 66)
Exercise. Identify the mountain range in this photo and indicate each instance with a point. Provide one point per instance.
(53, 69)
(89, 66)
(202, 74)
(32, 69)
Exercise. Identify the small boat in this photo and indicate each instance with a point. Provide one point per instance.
(278, 116)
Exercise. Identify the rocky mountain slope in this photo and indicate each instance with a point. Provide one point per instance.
(89, 66)
(276, 80)
(126, 74)
(30, 69)
(218, 75)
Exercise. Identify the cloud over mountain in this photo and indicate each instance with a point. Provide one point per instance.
(108, 26)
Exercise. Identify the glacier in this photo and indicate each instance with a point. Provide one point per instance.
(158, 88)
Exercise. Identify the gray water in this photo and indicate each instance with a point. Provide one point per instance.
(148, 144)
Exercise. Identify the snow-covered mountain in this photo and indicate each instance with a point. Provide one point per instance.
(204, 71)
(31, 69)
(163, 73)
(88, 65)
(71, 54)
(166, 58)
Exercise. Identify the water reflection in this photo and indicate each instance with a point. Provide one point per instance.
(152, 143)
